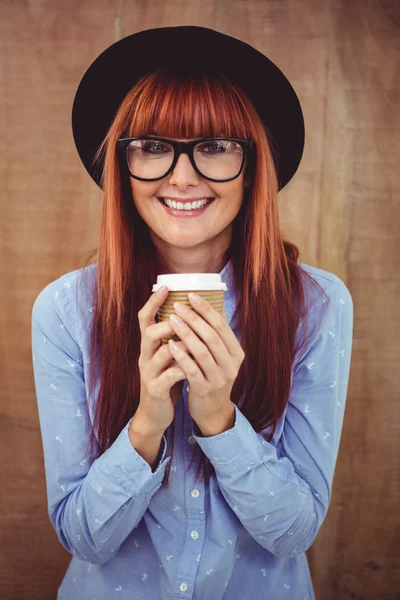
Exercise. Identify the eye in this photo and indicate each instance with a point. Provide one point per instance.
(212, 147)
(156, 147)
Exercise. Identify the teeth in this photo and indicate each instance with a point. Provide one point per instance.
(187, 205)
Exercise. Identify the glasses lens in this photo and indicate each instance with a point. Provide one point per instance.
(217, 159)
(149, 158)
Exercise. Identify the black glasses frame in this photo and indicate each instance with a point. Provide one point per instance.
(248, 146)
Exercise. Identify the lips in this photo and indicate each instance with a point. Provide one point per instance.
(185, 214)
(187, 201)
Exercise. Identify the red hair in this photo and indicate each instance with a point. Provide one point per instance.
(267, 276)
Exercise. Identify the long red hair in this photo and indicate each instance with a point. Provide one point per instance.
(268, 277)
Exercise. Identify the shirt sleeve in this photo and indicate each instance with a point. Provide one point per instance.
(93, 507)
(281, 495)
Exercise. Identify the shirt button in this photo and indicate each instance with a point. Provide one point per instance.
(195, 493)
(184, 587)
(191, 439)
(194, 534)
(187, 388)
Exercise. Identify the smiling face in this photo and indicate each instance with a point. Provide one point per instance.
(190, 244)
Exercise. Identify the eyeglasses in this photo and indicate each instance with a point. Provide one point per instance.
(152, 158)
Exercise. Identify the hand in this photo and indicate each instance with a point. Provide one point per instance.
(159, 380)
(217, 358)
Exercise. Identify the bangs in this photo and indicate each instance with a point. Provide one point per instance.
(188, 105)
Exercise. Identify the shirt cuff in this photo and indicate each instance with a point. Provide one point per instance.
(129, 469)
(235, 450)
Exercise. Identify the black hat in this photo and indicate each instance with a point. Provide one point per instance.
(112, 74)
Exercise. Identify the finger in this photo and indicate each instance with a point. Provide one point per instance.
(151, 339)
(204, 342)
(147, 314)
(189, 365)
(146, 317)
(206, 313)
(198, 348)
(181, 345)
(157, 364)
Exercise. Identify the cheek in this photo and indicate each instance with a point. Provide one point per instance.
(227, 212)
(236, 199)
(143, 195)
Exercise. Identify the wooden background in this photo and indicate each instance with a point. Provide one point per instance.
(341, 209)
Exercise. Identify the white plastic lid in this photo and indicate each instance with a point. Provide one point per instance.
(190, 281)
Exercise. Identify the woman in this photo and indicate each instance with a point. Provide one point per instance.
(123, 418)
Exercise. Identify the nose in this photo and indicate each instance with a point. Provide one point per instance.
(183, 173)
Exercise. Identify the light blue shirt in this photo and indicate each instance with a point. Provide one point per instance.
(244, 536)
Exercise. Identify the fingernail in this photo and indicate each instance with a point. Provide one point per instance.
(181, 307)
(161, 290)
(194, 297)
(175, 319)
(173, 345)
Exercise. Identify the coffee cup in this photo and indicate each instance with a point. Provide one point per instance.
(206, 285)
